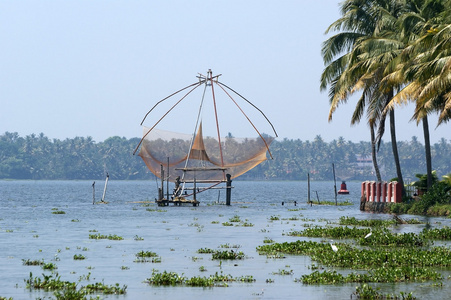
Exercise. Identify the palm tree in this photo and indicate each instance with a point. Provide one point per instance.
(423, 67)
(368, 45)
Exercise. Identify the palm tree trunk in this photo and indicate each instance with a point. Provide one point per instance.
(373, 153)
(427, 146)
(394, 146)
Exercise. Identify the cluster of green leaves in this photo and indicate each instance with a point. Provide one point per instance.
(143, 257)
(338, 232)
(205, 251)
(384, 264)
(67, 289)
(383, 274)
(45, 266)
(228, 254)
(365, 291)
(379, 236)
(143, 253)
(220, 254)
(366, 223)
(79, 257)
(38, 157)
(107, 237)
(172, 279)
(436, 201)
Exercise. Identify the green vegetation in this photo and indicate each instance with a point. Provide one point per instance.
(172, 279)
(230, 254)
(385, 256)
(38, 157)
(365, 291)
(71, 290)
(146, 254)
(366, 223)
(143, 257)
(79, 257)
(107, 237)
(436, 201)
(219, 254)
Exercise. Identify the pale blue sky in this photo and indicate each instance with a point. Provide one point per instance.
(94, 68)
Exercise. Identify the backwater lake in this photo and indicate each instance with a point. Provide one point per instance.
(30, 230)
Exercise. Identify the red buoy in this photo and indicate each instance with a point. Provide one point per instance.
(343, 190)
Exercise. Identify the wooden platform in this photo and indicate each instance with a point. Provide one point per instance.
(177, 201)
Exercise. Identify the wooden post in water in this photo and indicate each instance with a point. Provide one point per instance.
(194, 189)
(94, 192)
(335, 184)
(161, 195)
(308, 188)
(229, 189)
(104, 189)
(167, 182)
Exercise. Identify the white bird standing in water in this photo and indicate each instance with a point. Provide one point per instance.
(334, 248)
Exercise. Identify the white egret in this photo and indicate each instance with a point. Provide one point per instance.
(334, 248)
(369, 234)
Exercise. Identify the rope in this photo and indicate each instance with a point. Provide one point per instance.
(196, 86)
(255, 128)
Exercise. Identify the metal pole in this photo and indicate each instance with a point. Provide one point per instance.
(308, 187)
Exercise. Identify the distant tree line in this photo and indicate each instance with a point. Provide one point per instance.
(38, 157)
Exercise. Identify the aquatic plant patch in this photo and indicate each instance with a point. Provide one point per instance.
(227, 245)
(382, 275)
(205, 251)
(437, 233)
(107, 237)
(364, 236)
(347, 256)
(146, 254)
(230, 254)
(172, 279)
(365, 291)
(365, 223)
(331, 232)
(79, 257)
(66, 289)
(29, 262)
(384, 237)
(235, 219)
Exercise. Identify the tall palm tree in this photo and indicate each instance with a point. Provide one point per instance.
(368, 46)
(423, 67)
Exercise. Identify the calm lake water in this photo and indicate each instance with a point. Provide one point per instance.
(29, 230)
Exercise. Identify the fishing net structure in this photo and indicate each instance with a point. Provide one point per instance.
(200, 157)
(197, 157)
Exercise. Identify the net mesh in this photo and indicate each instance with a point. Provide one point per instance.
(204, 161)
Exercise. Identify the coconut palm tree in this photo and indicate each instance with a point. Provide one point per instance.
(366, 46)
(423, 67)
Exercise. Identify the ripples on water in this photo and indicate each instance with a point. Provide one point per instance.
(29, 230)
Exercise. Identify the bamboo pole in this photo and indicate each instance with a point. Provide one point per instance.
(104, 189)
(335, 184)
(94, 192)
